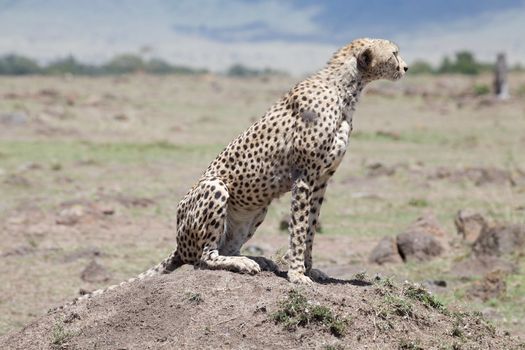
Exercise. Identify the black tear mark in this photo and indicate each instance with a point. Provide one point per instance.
(309, 116)
(295, 173)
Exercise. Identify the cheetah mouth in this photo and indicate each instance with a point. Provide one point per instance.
(397, 76)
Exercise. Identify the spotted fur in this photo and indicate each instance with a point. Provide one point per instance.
(296, 146)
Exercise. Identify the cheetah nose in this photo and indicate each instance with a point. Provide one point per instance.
(405, 68)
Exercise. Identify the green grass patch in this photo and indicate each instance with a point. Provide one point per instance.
(57, 152)
(419, 293)
(60, 336)
(296, 311)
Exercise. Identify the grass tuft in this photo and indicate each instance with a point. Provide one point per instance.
(194, 298)
(297, 311)
(60, 336)
(419, 293)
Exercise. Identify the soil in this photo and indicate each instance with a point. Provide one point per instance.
(199, 309)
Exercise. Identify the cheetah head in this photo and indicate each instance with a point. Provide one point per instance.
(376, 59)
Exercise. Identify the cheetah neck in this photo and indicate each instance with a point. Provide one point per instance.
(347, 80)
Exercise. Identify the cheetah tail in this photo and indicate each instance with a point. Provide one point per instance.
(172, 262)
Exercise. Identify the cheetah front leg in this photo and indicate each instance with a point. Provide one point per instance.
(299, 227)
(315, 209)
(334, 158)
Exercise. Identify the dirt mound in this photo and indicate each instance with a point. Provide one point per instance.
(197, 309)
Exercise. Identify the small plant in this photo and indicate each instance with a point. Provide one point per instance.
(361, 276)
(399, 306)
(418, 203)
(60, 336)
(297, 311)
(194, 298)
(481, 89)
(334, 347)
(407, 344)
(419, 293)
(521, 90)
(384, 283)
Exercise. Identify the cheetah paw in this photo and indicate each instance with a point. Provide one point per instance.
(318, 275)
(245, 265)
(299, 278)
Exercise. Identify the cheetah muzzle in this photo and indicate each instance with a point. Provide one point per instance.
(296, 146)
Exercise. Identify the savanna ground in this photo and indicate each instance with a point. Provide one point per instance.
(92, 169)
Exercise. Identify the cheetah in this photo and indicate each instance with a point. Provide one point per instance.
(296, 146)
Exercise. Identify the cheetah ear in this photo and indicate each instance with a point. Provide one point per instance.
(365, 58)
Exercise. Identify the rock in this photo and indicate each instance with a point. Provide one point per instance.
(284, 222)
(479, 176)
(469, 224)
(379, 169)
(423, 239)
(500, 239)
(492, 285)
(94, 272)
(429, 224)
(17, 180)
(385, 252)
(89, 252)
(49, 93)
(253, 250)
(481, 265)
(71, 215)
(389, 135)
(121, 117)
(418, 245)
(14, 118)
(132, 201)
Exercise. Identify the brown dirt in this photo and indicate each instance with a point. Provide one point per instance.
(198, 309)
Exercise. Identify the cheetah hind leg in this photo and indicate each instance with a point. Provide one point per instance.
(214, 232)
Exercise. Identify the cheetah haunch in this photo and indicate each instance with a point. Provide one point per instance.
(296, 146)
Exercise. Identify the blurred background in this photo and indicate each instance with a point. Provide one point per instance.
(110, 110)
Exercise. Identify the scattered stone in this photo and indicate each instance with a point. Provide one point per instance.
(131, 201)
(385, 252)
(284, 222)
(492, 285)
(14, 118)
(19, 251)
(435, 286)
(121, 117)
(56, 166)
(379, 169)
(94, 272)
(479, 176)
(70, 216)
(90, 252)
(253, 250)
(469, 224)
(500, 239)
(481, 265)
(106, 209)
(29, 166)
(418, 245)
(17, 180)
(389, 135)
(429, 224)
(48, 93)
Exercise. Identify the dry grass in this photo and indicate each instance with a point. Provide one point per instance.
(151, 137)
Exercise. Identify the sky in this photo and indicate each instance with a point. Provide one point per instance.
(297, 36)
